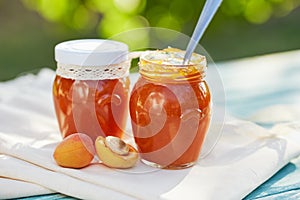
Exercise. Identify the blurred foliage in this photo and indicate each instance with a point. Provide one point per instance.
(114, 16)
(29, 29)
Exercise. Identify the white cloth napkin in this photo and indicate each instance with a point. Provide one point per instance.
(14, 188)
(245, 156)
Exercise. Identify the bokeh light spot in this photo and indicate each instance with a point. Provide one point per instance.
(234, 7)
(169, 21)
(258, 11)
(127, 6)
(53, 9)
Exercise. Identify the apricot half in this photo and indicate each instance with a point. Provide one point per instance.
(75, 151)
(114, 152)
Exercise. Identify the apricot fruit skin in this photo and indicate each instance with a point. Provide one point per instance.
(113, 160)
(75, 151)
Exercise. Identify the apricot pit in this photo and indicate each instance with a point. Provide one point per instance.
(114, 152)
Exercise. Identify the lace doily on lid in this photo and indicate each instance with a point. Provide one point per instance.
(92, 59)
(77, 72)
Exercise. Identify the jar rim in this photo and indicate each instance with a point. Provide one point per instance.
(172, 57)
(161, 67)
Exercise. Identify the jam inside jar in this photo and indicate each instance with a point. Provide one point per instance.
(91, 87)
(92, 107)
(170, 109)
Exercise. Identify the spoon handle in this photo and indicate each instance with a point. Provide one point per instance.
(209, 10)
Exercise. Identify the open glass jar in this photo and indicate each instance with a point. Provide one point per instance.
(170, 108)
(91, 87)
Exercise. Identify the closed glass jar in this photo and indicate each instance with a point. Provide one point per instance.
(91, 87)
(170, 108)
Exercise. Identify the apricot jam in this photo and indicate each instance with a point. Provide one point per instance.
(170, 109)
(91, 87)
(91, 107)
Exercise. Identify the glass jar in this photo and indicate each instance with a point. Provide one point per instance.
(91, 87)
(170, 108)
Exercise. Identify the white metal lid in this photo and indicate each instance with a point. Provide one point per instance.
(91, 52)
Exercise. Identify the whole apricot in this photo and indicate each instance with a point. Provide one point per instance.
(75, 151)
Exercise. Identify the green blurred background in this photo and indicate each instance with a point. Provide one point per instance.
(29, 29)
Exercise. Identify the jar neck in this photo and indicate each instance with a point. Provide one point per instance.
(172, 73)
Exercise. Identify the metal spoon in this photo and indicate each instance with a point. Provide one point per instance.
(209, 10)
